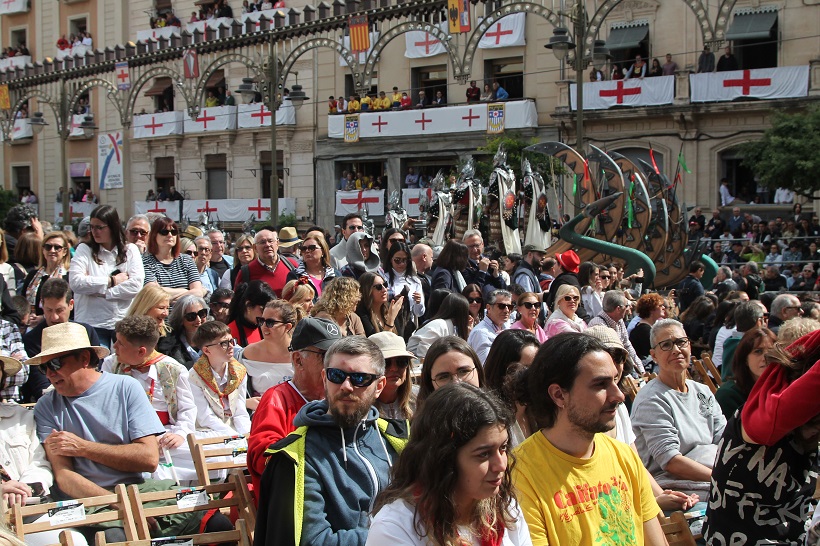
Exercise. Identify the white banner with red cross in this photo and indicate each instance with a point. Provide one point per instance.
(258, 115)
(518, 114)
(156, 125)
(123, 75)
(505, 32)
(13, 6)
(410, 198)
(224, 210)
(419, 44)
(634, 92)
(77, 211)
(217, 118)
(352, 201)
(760, 83)
(22, 129)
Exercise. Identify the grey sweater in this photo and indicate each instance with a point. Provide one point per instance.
(669, 423)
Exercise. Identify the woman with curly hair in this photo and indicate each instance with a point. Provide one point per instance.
(452, 483)
(300, 294)
(338, 303)
(651, 308)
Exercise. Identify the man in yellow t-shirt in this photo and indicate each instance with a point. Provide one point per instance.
(575, 485)
(382, 103)
(353, 105)
(396, 98)
(367, 103)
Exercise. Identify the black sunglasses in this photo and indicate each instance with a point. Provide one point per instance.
(309, 248)
(168, 231)
(475, 300)
(379, 287)
(220, 304)
(54, 364)
(49, 247)
(269, 322)
(357, 379)
(503, 306)
(190, 317)
(138, 232)
(529, 304)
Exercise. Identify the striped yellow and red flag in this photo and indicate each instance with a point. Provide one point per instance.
(359, 33)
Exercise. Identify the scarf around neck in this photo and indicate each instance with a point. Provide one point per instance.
(236, 373)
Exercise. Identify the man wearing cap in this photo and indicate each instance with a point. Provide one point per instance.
(220, 262)
(568, 263)
(289, 242)
(273, 419)
(526, 274)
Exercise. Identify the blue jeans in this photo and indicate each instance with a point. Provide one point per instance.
(107, 337)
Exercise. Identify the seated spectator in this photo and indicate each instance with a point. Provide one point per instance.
(439, 100)
(499, 309)
(564, 317)
(332, 105)
(650, 308)
(219, 383)
(432, 492)
(398, 398)
(220, 304)
(449, 359)
(396, 98)
(376, 310)
(366, 103)
(244, 254)
(55, 259)
(677, 422)
(268, 361)
(154, 302)
(695, 321)
(187, 316)
(774, 436)
(247, 308)
(353, 105)
(166, 266)
(338, 303)
(748, 363)
(451, 319)
(406, 102)
(169, 391)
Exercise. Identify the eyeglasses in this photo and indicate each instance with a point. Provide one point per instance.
(667, 344)
(138, 232)
(505, 306)
(190, 317)
(529, 304)
(462, 374)
(379, 287)
(475, 300)
(49, 247)
(396, 240)
(98, 227)
(220, 304)
(226, 345)
(476, 245)
(398, 361)
(168, 232)
(399, 260)
(204, 250)
(55, 363)
(269, 322)
(267, 242)
(357, 379)
(355, 228)
(309, 248)
(569, 298)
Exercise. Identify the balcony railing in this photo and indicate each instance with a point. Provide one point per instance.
(209, 120)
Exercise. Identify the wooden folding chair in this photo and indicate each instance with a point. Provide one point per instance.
(711, 368)
(241, 528)
(247, 508)
(105, 515)
(216, 499)
(704, 377)
(676, 529)
(221, 450)
(631, 387)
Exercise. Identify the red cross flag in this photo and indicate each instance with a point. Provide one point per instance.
(420, 44)
(619, 93)
(123, 76)
(762, 83)
(505, 32)
(353, 201)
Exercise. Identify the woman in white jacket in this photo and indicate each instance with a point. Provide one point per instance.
(452, 319)
(105, 275)
(401, 275)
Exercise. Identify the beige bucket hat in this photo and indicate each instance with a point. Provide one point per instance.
(10, 365)
(64, 338)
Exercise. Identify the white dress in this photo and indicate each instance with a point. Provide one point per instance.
(395, 525)
(264, 375)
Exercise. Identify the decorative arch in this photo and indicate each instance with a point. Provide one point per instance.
(494, 17)
(404, 28)
(697, 6)
(199, 92)
(350, 58)
(113, 96)
(7, 122)
(722, 22)
(148, 75)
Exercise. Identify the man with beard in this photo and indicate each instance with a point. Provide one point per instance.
(575, 484)
(321, 480)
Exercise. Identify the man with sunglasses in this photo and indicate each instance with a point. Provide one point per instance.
(137, 231)
(273, 419)
(499, 308)
(352, 223)
(327, 473)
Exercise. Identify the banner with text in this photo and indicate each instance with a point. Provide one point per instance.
(761, 83)
(635, 92)
(109, 158)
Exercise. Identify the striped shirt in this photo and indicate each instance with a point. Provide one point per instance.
(180, 273)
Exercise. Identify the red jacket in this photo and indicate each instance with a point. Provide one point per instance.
(272, 421)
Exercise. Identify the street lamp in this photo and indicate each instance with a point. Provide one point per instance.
(297, 97)
(560, 43)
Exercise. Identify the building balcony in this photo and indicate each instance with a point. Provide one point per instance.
(211, 120)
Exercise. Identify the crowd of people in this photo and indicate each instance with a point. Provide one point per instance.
(403, 100)
(384, 386)
(20, 51)
(81, 38)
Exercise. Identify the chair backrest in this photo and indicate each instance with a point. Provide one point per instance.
(711, 368)
(167, 503)
(240, 536)
(676, 529)
(101, 513)
(631, 387)
(704, 377)
(224, 454)
(247, 508)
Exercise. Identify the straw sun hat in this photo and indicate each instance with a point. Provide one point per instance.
(64, 338)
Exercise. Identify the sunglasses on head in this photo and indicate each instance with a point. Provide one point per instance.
(168, 231)
(572, 298)
(357, 379)
(269, 322)
(49, 247)
(529, 304)
(190, 317)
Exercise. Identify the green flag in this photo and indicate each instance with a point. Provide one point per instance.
(682, 162)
